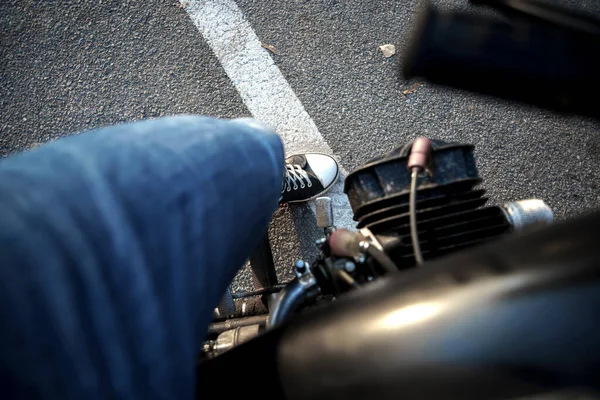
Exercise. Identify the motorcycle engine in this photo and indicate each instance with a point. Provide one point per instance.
(449, 214)
(450, 207)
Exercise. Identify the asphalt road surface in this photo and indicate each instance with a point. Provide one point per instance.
(69, 65)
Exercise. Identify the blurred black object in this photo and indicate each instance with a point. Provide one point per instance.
(518, 317)
(542, 54)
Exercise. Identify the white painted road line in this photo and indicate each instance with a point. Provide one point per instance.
(261, 85)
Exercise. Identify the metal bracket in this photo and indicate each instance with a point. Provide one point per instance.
(371, 239)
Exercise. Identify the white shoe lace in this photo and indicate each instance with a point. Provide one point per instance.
(294, 174)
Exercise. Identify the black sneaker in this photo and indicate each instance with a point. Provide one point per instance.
(307, 176)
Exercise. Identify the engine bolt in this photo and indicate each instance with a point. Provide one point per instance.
(300, 266)
(349, 266)
(363, 246)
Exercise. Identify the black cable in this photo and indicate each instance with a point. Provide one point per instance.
(258, 292)
(382, 259)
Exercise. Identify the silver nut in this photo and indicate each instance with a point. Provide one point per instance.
(363, 245)
(349, 266)
(300, 266)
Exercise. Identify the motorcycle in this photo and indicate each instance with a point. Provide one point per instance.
(435, 294)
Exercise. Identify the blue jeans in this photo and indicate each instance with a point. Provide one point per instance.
(116, 245)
